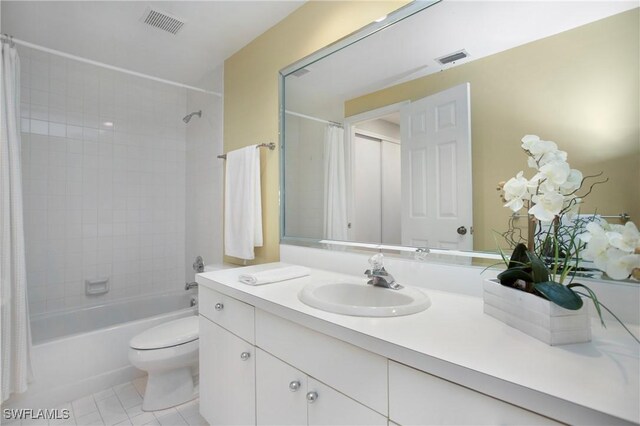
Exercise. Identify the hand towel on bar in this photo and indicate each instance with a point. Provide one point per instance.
(242, 203)
(274, 275)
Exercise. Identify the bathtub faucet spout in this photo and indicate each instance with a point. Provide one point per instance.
(189, 286)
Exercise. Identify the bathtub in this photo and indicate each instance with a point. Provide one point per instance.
(83, 351)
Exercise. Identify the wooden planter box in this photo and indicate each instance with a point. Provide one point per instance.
(536, 316)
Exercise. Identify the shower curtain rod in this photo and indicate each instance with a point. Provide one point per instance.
(103, 65)
(308, 117)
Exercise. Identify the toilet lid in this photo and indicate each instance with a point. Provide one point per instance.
(172, 333)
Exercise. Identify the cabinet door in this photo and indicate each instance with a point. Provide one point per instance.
(333, 408)
(227, 377)
(418, 398)
(280, 392)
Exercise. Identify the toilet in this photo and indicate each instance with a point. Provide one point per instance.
(169, 354)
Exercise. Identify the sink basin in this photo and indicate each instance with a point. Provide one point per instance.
(363, 300)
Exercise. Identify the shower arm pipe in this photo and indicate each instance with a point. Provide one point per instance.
(309, 117)
(107, 66)
(269, 145)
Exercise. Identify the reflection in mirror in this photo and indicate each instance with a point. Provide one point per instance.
(385, 143)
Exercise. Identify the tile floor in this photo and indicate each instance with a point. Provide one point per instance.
(119, 406)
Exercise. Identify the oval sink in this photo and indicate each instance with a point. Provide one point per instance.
(364, 300)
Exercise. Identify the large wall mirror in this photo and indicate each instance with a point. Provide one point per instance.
(402, 137)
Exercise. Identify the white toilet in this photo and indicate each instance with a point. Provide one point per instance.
(168, 353)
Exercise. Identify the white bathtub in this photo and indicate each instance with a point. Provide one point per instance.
(79, 352)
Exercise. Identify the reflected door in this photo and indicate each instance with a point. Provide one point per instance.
(436, 171)
(377, 202)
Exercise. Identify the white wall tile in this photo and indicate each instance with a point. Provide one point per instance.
(93, 191)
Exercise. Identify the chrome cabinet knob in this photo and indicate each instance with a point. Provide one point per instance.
(294, 386)
(219, 306)
(461, 230)
(245, 356)
(311, 397)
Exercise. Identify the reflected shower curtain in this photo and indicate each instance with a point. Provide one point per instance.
(15, 335)
(335, 187)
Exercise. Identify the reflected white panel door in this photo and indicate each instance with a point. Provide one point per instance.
(391, 198)
(367, 220)
(436, 171)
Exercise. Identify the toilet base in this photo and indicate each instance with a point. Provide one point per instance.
(166, 389)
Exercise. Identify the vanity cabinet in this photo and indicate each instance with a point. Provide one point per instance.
(259, 368)
(227, 376)
(419, 398)
(287, 396)
(227, 359)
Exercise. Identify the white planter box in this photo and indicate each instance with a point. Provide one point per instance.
(536, 316)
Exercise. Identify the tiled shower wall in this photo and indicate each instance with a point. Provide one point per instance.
(104, 182)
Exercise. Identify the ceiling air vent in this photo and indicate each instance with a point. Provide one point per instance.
(452, 57)
(162, 20)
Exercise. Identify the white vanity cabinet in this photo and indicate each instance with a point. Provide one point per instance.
(227, 360)
(418, 398)
(259, 368)
(227, 377)
(287, 396)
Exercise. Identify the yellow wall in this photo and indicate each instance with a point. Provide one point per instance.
(579, 89)
(251, 88)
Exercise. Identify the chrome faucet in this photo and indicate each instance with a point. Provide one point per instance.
(189, 286)
(379, 276)
(198, 265)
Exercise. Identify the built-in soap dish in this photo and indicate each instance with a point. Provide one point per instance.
(96, 287)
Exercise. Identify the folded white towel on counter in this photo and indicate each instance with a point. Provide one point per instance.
(274, 275)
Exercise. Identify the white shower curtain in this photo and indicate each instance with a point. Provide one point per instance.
(15, 348)
(335, 186)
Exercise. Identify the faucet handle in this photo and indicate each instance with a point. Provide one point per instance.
(376, 261)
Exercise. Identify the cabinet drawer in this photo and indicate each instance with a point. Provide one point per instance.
(418, 398)
(227, 312)
(353, 371)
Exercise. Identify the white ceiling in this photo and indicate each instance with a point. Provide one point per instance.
(111, 32)
(408, 49)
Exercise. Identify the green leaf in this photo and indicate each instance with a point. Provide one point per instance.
(509, 276)
(519, 256)
(559, 294)
(539, 270)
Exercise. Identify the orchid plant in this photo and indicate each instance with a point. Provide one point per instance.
(558, 237)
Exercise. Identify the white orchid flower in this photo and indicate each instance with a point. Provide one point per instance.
(627, 240)
(554, 175)
(514, 190)
(547, 205)
(573, 182)
(540, 148)
(620, 264)
(529, 140)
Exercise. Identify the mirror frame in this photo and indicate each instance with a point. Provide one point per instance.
(469, 258)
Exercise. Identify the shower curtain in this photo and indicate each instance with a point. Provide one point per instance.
(15, 345)
(335, 187)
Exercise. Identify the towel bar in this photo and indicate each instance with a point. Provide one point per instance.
(269, 145)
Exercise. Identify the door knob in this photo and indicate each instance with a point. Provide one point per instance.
(461, 230)
(245, 356)
(311, 397)
(219, 306)
(294, 386)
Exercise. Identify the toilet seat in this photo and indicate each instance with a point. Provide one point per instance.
(169, 334)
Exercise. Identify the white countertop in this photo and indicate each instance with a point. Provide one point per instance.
(455, 340)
